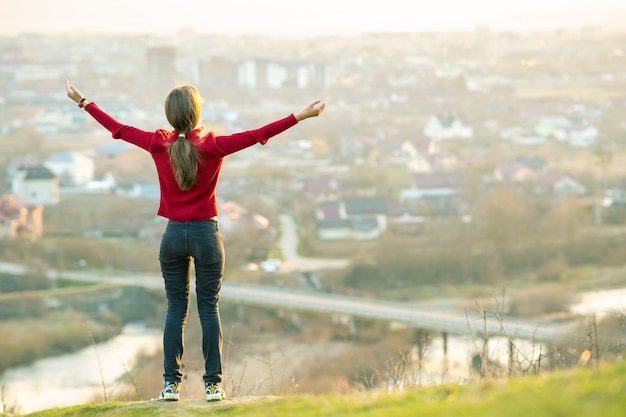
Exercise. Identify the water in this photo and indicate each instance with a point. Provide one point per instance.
(76, 378)
(601, 303)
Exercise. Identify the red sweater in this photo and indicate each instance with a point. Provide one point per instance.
(198, 203)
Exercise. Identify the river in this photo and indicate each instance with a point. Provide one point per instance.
(77, 378)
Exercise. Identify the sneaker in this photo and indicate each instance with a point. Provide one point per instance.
(214, 391)
(170, 392)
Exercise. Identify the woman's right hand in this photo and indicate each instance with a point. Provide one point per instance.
(72, 92)
(314, 109)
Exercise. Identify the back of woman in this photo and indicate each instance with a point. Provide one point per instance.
(188, 164)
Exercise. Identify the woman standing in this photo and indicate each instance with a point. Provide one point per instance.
(188, 164)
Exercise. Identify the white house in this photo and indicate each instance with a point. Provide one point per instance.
(72, 168)
(583, 136)
(447, 126)
(36, 185)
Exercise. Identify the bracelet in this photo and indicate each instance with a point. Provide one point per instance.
(80, 103)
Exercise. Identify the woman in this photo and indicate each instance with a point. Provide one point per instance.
(188, 165)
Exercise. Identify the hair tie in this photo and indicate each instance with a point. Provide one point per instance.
(181, 135)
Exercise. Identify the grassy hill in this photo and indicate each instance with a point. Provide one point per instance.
(588, 392)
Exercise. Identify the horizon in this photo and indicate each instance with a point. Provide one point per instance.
(281, 18)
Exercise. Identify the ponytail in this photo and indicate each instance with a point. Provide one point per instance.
(184, 159)
(182, 109)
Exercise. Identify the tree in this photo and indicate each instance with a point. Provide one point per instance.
(505, 217)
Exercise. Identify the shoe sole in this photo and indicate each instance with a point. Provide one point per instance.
(169, 397)
(215, 397)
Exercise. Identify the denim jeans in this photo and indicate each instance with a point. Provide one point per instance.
(181, 243)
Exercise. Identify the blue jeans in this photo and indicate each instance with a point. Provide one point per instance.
(202, 242)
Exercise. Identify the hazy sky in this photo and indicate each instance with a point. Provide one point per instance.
(298, 17)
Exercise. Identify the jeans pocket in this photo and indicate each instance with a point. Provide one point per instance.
(207, 248)
(172, 248)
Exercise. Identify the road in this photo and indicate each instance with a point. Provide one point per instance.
(289, 248)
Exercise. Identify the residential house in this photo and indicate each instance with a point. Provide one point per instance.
(536, 163)
(419, 153)
(18, 218)
(334, 229)
(524, 137)
(356, 208)
(616, 194)
(36, 185)
(145, 191)
(402, 222)
(359, 218)
(387, 153)
(421, 146)
(582, 136)
(322, 188)
(427, 155)
(330, 224)
(532, 173)
(553, 127)
(447, 126)
(574, 130)
(358, 186)
(558, 183)
(233, 217)
(72, 168)
(514, 172)
(123, 160)
(434, 194)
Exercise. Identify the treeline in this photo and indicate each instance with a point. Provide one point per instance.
(507, 235)
(399, 264)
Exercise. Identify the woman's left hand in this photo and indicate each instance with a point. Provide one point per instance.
(72, 92)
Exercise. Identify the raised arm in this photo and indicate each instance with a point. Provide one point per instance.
(228, 144)
(118, 130)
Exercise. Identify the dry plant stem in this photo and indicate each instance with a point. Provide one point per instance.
(235, 384)
(132, 379)
(7, 409)
(270, 365)
(514, 348)
(95, 348)
(596, 344)
(484, 366)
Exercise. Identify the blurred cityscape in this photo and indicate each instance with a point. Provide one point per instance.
(452, 111)
(446, 167)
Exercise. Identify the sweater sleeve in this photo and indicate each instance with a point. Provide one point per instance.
(228, 144)
(130, 134)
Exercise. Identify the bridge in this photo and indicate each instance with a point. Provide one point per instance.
(410, 314)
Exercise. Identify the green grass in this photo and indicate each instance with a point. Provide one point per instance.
(585, 392)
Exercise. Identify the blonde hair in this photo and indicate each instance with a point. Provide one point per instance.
(182, 109)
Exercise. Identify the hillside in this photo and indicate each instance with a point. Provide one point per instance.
(585, 392)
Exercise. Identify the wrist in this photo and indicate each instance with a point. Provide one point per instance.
(82, 103)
